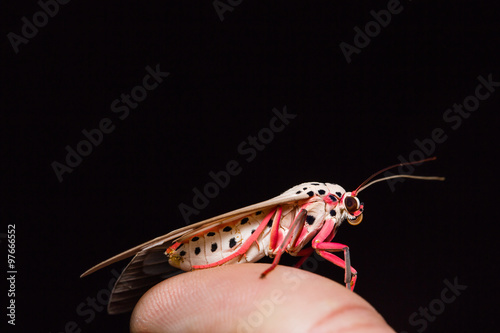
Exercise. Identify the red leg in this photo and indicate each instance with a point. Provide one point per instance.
(295, 228)
(321, 243)
(275, 230)
(324, 249)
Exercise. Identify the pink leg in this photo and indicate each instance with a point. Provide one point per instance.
(275, 234)
(324, 249)
(321, 243)
(295, 228)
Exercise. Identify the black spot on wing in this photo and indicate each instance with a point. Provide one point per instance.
(227, 229)
(245, 220)
(310, 193)
(333, 212)
(332, 197)
(210, 234)
(270, 223)
(321, 192)
(338, 194)
(195, 239)
(310, 219)
(253, 231)
(298, 192)
(214, 247)
(315, 184)
(182, 253)
(258, 213)
(197, 251)
(232, 243)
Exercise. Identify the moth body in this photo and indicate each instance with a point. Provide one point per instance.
(222, 244)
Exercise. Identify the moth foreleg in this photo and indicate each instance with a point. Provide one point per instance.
(324, 249)
(321, 243)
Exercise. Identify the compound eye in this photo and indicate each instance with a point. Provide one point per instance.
(351, 204)
(355, 221)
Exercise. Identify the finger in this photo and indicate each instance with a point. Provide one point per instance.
(234, 299)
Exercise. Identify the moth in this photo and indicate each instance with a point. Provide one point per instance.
(300, 221)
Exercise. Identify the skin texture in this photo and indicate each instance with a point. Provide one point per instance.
(232, 298)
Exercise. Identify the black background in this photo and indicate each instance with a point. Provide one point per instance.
(225, 78)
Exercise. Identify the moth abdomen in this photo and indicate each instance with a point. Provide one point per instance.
(217, 244)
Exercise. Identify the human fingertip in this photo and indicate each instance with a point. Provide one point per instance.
(352, 318)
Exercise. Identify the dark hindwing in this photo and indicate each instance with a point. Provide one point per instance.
(146, 269)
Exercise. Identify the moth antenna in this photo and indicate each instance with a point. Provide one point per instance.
(365, 184)
(401, 176)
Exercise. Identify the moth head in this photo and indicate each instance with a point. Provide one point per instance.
(352, 207)
(350, 202)
(344, 203)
